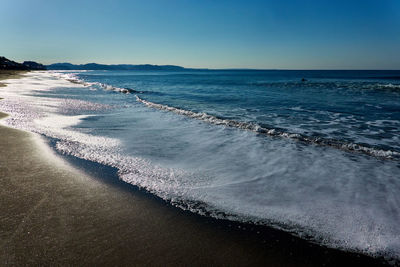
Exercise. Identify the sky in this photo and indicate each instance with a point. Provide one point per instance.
(291, 34)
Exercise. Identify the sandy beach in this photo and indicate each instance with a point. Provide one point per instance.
(56, 210)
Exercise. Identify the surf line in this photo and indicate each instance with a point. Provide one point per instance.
(341, 145)
(345, 146)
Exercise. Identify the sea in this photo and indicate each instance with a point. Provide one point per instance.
(313, 153)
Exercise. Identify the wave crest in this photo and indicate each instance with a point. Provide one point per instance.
(342, 145)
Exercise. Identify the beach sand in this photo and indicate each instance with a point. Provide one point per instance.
(57, 210)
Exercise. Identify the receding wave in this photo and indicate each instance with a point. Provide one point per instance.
(338, 144)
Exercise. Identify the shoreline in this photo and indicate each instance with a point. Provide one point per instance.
(63, 210)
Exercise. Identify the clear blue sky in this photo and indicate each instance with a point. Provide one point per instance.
(313, 34)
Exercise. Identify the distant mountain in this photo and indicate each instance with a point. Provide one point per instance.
(32, 65)
(95, 66)
(6, 64)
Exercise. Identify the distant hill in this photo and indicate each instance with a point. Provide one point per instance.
(32, 65)
(6, 64)
(95, 66)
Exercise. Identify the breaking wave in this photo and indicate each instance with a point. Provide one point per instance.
(275, 132)
(71, 77)
(351, 147)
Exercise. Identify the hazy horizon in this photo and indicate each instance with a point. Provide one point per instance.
(216, 35)
(238, 68)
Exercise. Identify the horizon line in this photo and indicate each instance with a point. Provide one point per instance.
(234, 68)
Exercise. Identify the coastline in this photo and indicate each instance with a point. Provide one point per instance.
(55, 212)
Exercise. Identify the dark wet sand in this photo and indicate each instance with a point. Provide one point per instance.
(52, 213)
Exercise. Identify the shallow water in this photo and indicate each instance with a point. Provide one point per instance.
(318, 158)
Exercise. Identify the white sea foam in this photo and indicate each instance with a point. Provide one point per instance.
(72, 77)
(389, 86)
(389, 154)
(41, 114)
(340, 199)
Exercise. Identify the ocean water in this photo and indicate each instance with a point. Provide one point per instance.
(319, 158)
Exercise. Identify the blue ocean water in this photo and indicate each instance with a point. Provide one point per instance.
(355, 107)
(316, 153)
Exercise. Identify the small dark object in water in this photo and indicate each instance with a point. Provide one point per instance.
(303, 80)
(130, 90)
